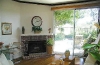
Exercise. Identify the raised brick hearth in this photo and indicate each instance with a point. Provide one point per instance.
(24, 41)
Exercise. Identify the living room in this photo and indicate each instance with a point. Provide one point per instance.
(21, 14)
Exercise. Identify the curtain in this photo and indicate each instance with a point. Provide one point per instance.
(98, 30)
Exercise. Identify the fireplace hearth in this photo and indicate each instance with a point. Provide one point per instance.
(34, 46)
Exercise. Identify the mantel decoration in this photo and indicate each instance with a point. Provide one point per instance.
(6, 28)
(23, 30)
(49, 30)
(36, 22)
(1, 43)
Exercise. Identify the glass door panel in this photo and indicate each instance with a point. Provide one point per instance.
(84, 28)
(64, 31)
(64, 40)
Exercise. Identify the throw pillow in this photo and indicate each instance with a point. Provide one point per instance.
(3, 60)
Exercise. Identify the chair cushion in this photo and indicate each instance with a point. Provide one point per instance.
(3, 60)
(0, 63)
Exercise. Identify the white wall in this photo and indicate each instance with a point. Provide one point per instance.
(20, 14)
(0, 20)
(10, 13)
(30, 10)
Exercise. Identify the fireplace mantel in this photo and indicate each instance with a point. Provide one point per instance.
(34, 34)
(34, 37)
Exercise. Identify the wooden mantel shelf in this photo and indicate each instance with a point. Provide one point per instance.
(34, 34)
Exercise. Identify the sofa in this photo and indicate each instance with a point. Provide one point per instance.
(4, 61)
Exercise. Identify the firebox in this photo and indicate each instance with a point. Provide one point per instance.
(36, 46)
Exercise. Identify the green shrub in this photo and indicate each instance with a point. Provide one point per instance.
(60, 36)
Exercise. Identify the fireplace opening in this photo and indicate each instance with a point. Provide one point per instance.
(36, 46)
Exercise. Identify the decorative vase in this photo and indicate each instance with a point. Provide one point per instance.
(67, 54)
(23, 30)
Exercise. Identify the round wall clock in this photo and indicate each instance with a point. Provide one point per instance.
(36, 21)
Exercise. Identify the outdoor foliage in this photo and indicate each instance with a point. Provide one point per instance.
(93, 34)
(70, 36)
(85, 35)
(61, 29)
(65, 16)
(60, 36)
(62, 17)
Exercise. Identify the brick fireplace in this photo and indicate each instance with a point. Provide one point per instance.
(34, 46)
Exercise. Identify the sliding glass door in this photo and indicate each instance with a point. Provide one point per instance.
(73, 28)
(64, 31)
(84, 28)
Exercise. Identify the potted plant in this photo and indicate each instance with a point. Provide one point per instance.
(93, 50)
(49, 45)
(36, 29)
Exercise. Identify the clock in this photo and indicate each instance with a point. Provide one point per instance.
(36, 21)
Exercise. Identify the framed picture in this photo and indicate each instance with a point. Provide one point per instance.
(6, 28)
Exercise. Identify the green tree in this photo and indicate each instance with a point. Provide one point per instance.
(65, 16)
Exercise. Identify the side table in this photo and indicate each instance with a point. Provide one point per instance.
(7, 51)
(71, 59)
